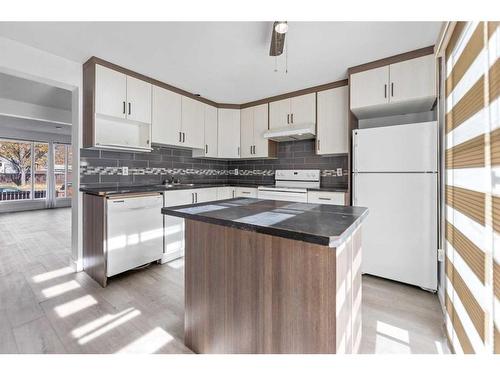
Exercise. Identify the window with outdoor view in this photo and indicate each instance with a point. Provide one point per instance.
(62, 170)
(23, 170)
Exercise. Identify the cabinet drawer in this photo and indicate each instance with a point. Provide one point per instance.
(326, 197)
(246, 192)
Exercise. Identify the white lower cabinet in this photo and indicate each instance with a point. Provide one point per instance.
(326, 197)
(226, 192)
(246, 192)
(174, 226)
(205, 195)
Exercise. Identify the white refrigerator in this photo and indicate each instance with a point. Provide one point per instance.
(395, 176)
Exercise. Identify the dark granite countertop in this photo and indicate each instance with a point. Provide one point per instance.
(321, 224)
(332, 189)
(128, 189)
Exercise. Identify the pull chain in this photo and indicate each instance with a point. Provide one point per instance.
(286, 55)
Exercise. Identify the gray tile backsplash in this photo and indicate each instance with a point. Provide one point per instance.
(104, 168)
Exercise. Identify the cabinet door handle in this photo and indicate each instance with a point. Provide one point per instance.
(392, 89)
(124, 105)
(180, 137)
(385, 91)
(288, 118)
(324, 199)
(238, 151)
(192, 197)
(183, 137)
(318, 144)
(206, 149)
(254, 149)
(196, 195)
(291, 116)
(129, 108)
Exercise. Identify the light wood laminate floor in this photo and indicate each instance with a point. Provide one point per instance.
(47, 308)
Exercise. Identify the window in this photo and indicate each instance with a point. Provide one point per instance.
(40, 161)
(62, 170)
(16, 158)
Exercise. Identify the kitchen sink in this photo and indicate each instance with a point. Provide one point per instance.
(177, 185)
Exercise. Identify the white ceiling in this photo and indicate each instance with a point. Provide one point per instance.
(27, 91)
(26, 126)
(227, 62)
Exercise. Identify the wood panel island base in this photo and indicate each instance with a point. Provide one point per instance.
(253, 286)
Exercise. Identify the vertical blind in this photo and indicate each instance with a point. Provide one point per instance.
(472, 166)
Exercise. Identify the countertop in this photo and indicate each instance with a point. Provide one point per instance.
(328, 225)
(126, 189)
(129, 189)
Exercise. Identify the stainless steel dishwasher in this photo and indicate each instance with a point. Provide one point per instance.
(134, 231)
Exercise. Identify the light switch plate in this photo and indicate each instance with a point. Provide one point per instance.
(124, 171)
(339, 171)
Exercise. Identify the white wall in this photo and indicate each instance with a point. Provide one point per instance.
(409, 118)
(27, 62)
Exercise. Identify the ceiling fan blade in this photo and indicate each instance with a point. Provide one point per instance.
(277, 42)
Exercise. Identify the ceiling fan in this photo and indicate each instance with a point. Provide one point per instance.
(278, 38)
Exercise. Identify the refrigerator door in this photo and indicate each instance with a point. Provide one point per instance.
(400, 148)
(399, 239)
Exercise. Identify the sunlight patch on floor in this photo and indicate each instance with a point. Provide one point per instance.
(397, 333)
(75, 305)
(52, 274)
(177, 264)
(59, 289)
(104, 324)
(150, 343)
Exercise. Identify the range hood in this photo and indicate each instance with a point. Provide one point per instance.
(291, 133)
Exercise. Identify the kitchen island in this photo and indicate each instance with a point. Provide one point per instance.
(264, 276)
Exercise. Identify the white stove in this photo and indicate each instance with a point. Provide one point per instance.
(291, 185)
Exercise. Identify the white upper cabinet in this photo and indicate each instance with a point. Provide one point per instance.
(138, 100)
(166, 121)
(413, 79)
(247, 132)
(260, 126)
(211, 130)
(193, 120)
(370, 87)
(332, 129)
(404, 87)
(122, 118)
(229, 133)
(254, 123)
(303, 109)
(122, 96)
(110, 92)
(279, 114)
(298, 110)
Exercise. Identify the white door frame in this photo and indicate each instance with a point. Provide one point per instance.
(24, 61)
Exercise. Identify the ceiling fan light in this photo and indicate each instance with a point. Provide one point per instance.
(281, 27)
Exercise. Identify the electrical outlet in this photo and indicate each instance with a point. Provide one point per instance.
(440, 255)
(339, 171)
(124, 171)
(236, 172)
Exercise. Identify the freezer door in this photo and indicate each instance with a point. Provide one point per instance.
(400, 148)
(399, 239)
